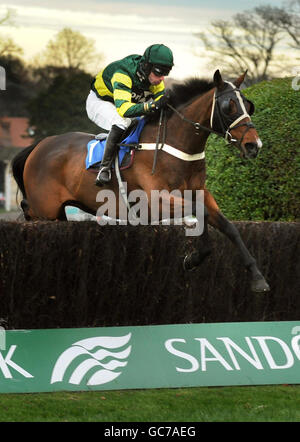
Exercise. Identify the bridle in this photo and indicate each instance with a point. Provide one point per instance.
(222, 119)
(221, 124)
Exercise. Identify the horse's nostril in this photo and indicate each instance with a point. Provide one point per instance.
(251, 146)
(251, 149)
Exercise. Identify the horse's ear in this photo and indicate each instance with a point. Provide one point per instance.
(218, 80)
(240, 80)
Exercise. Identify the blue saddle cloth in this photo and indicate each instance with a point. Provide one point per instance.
(95, 148)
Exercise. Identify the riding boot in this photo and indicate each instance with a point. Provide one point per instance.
(114, 136)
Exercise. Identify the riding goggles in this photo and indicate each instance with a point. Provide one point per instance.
(160, 70)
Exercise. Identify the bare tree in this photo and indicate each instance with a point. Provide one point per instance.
(71, 50)
(247, 42)
(289, 21)
(7, 44)
(8, 17)
(9, 47)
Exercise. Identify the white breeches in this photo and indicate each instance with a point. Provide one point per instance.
(104, 114)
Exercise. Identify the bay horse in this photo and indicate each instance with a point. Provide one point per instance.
(52, 174)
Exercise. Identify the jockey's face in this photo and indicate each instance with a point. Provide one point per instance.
(154, 79)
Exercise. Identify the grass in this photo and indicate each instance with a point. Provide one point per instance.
(221, 404)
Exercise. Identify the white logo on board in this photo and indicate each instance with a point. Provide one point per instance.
(90, 352)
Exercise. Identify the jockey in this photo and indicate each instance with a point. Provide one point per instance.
(126, 89)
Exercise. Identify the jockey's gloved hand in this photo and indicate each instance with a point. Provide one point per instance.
(153, 106)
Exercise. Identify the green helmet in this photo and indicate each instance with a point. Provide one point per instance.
(157, 58)
(159, 54)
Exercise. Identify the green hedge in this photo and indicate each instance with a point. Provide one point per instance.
(268, 187)
(77, 274)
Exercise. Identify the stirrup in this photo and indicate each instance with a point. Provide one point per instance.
(100, 180)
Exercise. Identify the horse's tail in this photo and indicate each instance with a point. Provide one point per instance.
(18, 164)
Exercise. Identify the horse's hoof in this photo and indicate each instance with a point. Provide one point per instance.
(260, 286)
(187, 266)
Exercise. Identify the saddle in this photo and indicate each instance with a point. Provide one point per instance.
(95, 147)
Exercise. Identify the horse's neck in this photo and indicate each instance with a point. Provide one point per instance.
(188, 138)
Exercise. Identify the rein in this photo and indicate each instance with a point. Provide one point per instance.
(196, 125)
(233, 125)
(161, 118)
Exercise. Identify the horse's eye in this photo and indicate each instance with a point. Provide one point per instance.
(225, 106)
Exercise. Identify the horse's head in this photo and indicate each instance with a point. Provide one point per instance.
(231, 115)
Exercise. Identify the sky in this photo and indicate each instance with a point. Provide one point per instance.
(124, 27)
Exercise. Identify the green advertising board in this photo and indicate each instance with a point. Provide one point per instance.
(162, 356)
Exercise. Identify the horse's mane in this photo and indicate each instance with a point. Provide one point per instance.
(183, 92)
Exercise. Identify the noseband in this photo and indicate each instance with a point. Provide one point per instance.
(221, 123)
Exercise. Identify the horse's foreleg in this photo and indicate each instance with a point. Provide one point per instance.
(178, 207)
(219, 221)
(194, 259)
